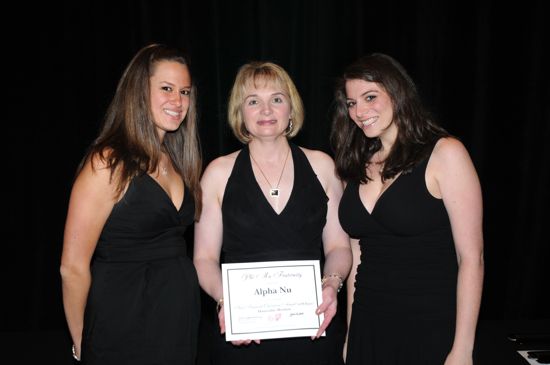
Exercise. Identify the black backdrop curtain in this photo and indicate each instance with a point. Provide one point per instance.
(482, 67)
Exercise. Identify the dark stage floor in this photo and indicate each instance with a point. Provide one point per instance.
(492, 345)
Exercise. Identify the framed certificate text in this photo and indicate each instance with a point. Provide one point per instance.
(273, 299)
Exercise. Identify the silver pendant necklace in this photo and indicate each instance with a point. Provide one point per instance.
(273, 191)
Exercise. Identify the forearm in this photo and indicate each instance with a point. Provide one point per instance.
(210, 277)
(337, 262)
(76, 287)
(469, 289)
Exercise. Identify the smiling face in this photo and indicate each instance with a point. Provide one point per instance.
(266, 109)
(371, 108)
(170, 86)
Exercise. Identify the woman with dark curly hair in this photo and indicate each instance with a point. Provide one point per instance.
(413, 208)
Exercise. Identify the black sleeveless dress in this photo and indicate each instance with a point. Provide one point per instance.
(253, 231)
(405, 290)
(144, 302)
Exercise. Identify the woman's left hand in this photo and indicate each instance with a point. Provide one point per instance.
(328, 308)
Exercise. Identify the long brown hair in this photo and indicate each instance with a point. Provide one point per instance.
(417, 132)
(128, 141)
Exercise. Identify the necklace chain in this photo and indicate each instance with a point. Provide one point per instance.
(163, 167)
(273, 191)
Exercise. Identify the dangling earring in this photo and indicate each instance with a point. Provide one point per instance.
(289, 128)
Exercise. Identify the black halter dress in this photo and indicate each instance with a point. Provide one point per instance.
(253, 231)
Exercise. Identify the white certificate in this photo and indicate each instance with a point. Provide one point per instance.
(273, 299)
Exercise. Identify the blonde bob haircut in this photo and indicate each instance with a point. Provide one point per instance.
(261, 74)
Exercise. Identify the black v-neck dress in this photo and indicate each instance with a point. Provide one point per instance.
(144, 302)
(405, 288)
(253, 231)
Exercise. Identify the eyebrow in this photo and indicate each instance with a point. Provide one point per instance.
(365, 93)
(256, 95)
(172, 84)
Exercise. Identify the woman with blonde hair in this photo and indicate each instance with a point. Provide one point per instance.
(271, 201)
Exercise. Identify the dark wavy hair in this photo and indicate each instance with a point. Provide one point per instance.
(128, 141)
(417, 132)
